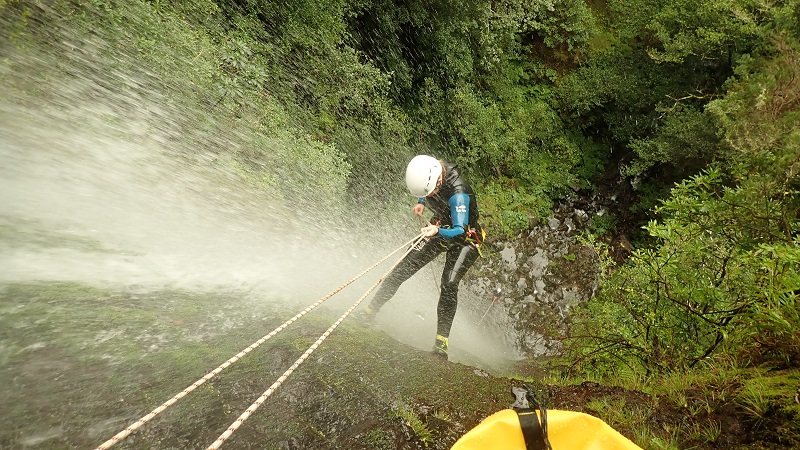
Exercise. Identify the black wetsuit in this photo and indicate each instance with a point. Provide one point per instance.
(456, 212)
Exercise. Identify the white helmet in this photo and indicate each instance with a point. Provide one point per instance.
(422, 175)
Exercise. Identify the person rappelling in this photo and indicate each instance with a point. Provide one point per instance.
(453, 229)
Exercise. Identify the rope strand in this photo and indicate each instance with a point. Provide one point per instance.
(139, 423)
(250, 410)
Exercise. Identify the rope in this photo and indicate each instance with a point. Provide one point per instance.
(423, 223)
(494, 299)
(245, 415)
(136, 425)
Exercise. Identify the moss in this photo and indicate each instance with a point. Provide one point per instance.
(90, 359)
(378, 440)
(413, 421)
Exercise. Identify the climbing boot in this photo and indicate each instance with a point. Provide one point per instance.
(440, 347)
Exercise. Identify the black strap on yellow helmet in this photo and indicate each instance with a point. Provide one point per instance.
(531, 429)
(534, 426)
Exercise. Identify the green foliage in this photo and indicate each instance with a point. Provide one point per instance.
(706, 29)
(518, 137)
(305, 170)
(601, 224)
(538, 93)
(378, 440)
(348, 91)
(714, 278)
(686, 136)
(331, 98)
(505, 208)
(679, 29)
(568, 23)
(466, 80)
(601, 250)
(295, 139)
(618, 414)
(721, 273)
(412, 420)
(760, 117)
(479, 124)
(754, 400)
(317, 102)
(626, 104)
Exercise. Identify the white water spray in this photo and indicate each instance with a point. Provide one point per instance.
(105, 181)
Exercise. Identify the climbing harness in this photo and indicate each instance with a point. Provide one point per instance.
(143, 420)
(527, 425)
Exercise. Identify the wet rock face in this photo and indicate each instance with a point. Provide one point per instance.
(539, 276)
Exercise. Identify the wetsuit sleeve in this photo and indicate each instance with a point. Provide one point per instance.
(459, 212)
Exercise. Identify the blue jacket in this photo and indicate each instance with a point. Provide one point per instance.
(453, 205)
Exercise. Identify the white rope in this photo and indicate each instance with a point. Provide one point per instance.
(136, 425)
(245, 415)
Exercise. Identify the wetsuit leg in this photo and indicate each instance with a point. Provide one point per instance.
(407, 267)
(459, 260)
